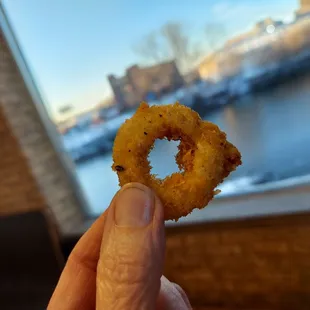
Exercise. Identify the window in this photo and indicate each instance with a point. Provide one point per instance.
(244, 66)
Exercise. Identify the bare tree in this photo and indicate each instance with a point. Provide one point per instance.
(215, 35)
(171, 41)
(152, 48)
(180, 45)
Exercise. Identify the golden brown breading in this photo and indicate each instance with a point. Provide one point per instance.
(205, 156)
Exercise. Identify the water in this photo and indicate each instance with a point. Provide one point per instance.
(271, 129)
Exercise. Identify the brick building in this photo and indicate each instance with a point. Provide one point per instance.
(209, 68)
(145, 83)
(304, 9)
(305, 4)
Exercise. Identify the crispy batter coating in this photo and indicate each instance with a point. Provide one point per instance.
(205, 157)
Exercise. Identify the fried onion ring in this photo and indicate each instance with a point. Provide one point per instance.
(205, 157)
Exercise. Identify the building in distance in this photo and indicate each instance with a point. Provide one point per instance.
(145, 83)
(304, 9)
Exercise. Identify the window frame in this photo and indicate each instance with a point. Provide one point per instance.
(278, 198)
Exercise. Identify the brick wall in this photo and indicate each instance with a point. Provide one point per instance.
(248, 264)
(155, 78)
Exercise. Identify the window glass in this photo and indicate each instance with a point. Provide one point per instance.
(244, 65)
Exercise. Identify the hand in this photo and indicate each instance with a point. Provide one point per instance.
(118, 263)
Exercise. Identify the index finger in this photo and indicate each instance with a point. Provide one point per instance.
(76, 288)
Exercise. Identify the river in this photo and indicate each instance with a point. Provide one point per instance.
(271, 129)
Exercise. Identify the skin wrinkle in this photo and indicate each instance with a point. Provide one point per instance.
(135, 295)
(76, 258)
(124, 274)
(125, 270)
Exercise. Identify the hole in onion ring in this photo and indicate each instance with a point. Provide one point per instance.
(162, 158)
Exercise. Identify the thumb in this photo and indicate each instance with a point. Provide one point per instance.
(132, 251)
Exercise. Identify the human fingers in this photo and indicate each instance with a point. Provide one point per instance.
(76, 288)
(132, 252)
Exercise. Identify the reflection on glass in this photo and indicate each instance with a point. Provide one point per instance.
(244, 66)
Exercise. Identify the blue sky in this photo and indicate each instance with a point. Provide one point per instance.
(71, 45)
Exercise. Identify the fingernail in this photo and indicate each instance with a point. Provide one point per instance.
(134, 207)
